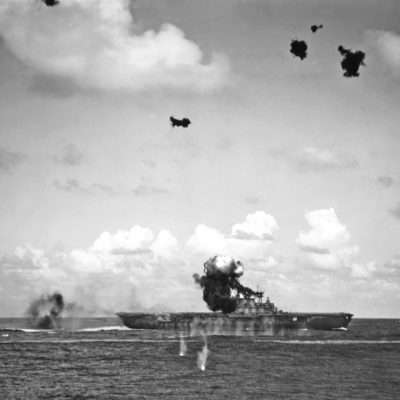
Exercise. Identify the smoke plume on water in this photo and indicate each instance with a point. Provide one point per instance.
(220, 279)
(203, 354)
(45, 312)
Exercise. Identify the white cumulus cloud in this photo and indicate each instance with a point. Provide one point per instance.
(387, 45)
(96, 44)
(137, 239)
(207, 240)
(326, 232)
(328, 245)
(127, 270)
(249, 241)
(363, 270)
(137, 269)
(314, 159)
(258, 225)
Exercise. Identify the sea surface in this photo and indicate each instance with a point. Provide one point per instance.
(98, 358)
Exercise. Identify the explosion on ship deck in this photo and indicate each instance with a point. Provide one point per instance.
(45, 312)
(220, 279)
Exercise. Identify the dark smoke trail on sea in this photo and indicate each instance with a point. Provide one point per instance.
(45, 312)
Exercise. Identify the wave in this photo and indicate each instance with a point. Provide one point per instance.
(25, 330)
(328, 341)
(176, 340)
(104, 328)
(52, 331)
(88, 340)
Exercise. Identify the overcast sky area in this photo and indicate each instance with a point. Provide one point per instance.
(288, 165)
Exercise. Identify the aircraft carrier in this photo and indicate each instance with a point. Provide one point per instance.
(236, 309)
(251, 316)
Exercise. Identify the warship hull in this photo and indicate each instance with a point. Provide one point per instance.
(235, 323)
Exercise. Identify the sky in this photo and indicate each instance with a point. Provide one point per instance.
(288, 165)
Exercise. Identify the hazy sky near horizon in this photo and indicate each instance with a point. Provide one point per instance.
(287, 165)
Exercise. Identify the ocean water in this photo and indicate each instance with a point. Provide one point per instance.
(100, 359)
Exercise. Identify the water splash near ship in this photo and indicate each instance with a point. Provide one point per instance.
(203, 354)
(182, 346)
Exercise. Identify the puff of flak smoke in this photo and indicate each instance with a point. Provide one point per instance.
(220, 278)
(184, 122)
(45, 312)
(315, 28)
(351, 62)
(299, 48)
(51, 3)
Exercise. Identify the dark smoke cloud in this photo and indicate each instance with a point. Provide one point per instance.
(299, 48)
(218, 282)
(395, 211)
(9, 159)
(352, 60)
(45, 312)
(385, 181)
(50, 3)
(314, 28)
(70, 156)
(184, 122)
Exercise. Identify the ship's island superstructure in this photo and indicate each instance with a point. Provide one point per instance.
(242, 313)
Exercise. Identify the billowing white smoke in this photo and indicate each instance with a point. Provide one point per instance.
(225, 265)
(95, 43)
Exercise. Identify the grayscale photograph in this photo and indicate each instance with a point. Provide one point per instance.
(199, 199)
